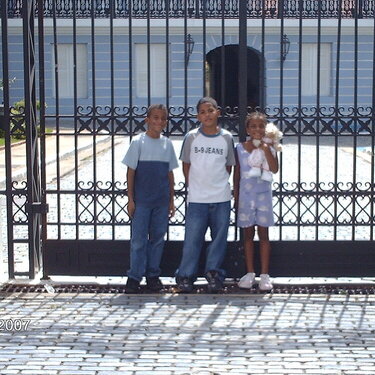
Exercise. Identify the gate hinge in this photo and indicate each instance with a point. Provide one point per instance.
(37, 208)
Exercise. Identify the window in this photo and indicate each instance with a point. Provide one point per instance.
(66, 70)
(158, 70)
(310, 69)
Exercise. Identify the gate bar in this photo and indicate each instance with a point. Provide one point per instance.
(33, 182)
(8, 161)
(242, 69)
(42, 119)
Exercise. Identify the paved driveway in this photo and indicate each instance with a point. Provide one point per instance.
(97, 334)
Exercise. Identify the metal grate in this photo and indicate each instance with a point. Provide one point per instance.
(361, 289)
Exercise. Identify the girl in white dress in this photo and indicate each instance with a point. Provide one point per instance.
(253, 199)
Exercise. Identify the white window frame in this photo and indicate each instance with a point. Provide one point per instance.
(65, 70)
(310, 71)
(158, 70)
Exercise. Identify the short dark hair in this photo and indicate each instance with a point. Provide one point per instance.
(256, 116)
(156, 106)
(207, 99)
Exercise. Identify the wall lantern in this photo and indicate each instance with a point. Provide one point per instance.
(189, 47)
(285, 45)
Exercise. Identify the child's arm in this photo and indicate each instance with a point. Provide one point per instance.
(236, 181)
(185, 170)
(172, 208)
(272, 161)
(130, 182)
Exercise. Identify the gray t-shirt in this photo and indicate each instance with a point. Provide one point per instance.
(152, 159)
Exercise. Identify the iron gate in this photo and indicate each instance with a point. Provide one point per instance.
(94, 67)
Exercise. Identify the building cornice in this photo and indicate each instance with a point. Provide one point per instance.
(177, 26)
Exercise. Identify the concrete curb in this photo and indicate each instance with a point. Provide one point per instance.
(83, 152)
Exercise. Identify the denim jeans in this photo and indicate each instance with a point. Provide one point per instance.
(199, 217)
(149, 226)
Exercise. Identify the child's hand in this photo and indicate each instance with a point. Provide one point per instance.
(264, 146)
(131, 208)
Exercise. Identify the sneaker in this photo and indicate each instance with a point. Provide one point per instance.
(265, 282)
(132, 286)
(247, 281)
(154, 284)
(215, 284)
(184, 284)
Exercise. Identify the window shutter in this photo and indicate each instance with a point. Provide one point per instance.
(66, 71)
(157, 61)
(309, 69)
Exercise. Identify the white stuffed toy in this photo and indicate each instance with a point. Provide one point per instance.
(257, 159)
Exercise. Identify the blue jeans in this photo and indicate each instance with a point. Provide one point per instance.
(149, 226)
(199, 217)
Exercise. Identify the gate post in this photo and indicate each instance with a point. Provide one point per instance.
(6, 127)
(242, 70)
(33, 208)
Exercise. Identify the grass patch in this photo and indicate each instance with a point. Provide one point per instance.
(18, 139)
(13, 140)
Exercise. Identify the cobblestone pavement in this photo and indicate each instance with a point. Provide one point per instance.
(101, 334)
(200, 334)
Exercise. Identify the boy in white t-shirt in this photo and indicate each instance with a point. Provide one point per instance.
(208, 156)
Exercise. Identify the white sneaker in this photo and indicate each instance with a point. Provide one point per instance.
(265, 282)
(247, 280)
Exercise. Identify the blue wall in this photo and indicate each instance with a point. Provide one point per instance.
(363, 77)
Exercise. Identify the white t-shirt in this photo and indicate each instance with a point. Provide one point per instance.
(208, 156)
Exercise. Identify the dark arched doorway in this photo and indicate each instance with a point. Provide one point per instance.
(222, 76)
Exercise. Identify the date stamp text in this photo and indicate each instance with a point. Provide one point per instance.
(14, 325)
